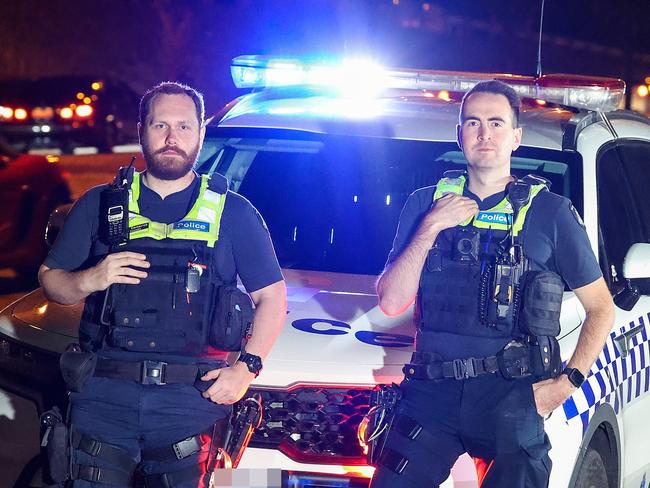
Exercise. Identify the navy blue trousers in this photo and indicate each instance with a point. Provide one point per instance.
(138, 417)
(493, 419)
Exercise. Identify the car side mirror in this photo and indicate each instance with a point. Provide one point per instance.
(55, 223)
(636, 265)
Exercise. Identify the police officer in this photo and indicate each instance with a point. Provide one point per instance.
(485, 257)
(157, 384)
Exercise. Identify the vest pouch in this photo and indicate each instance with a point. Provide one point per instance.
(77, 367)
(230, 318)
(545, 359)
(540, 303)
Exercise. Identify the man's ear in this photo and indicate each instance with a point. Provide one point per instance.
(459, 133)
(517, 138)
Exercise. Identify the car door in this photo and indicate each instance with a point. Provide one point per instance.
(623, 182)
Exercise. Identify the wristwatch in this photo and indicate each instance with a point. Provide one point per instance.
(575, 376)
(253, 362)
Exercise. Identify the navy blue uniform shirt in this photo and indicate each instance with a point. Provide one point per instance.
(553, 239)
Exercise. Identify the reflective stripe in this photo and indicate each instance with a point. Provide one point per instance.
(202, 222)
(613, 379)
(498, 217)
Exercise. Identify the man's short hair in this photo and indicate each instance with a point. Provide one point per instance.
(171, 88)
(496, 87)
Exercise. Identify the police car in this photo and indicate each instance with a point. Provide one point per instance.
(328, 152)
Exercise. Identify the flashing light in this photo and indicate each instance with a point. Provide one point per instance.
(97, 85)
(364, 79)
(6, 112)
(83, 111)
(20, 114)
(642, 90)
(87, 100)
(66, 113)
(444, 95)
(80, 95)
(45, 113)
(46, 128)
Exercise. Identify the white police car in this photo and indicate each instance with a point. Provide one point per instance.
(328, 154)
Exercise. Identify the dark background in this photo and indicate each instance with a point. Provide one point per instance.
(146, 41)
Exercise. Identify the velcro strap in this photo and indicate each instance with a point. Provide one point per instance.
(175, 478)
(179, 450)
(394, 461)
(106, 476)
(112, 454)
(406, 426)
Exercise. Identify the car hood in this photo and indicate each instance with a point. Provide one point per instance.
(334, 330)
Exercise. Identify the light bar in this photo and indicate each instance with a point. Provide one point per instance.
(593, 93)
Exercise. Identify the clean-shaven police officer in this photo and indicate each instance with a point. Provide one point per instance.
(145, 398)
(485, 257)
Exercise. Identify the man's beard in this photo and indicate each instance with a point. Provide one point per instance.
(170, 167)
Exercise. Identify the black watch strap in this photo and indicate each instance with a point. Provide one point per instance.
(575, 376)
(253, 362)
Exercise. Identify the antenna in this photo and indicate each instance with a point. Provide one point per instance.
(539, 44)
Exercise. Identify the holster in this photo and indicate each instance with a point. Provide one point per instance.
(373, 429)
(55, 446)
(229, 319)
(77, 367)
(246, 417)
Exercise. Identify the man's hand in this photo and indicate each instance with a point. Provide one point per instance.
(120, 267)
(550, 394)
(231, 383)
(449, 211)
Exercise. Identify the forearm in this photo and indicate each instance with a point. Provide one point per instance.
(398, 284)
(61, 286)
(593, 335)
(270, 314)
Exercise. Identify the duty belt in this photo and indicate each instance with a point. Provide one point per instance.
(423, 366)
(153, 372)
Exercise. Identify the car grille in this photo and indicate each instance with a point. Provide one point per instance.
(313, 424)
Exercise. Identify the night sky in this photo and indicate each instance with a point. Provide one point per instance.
(146, 41)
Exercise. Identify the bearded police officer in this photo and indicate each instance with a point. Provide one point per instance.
(486, 256)
(157, 256)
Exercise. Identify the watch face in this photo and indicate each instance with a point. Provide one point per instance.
(575, 376)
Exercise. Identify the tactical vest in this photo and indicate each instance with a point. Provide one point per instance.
(166, 312)
(455, 295)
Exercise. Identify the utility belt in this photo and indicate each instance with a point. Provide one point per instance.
(536, 356)
(228, 437)
(77, 367)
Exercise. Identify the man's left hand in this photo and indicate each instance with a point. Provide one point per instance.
(550, 394)
(230, 385)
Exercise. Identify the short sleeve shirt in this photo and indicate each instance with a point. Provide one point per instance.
(554, 236)
(244, 247)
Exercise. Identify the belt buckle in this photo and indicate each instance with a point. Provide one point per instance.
(464, 368)
(153, 372)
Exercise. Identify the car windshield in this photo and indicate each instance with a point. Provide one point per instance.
(332, 202)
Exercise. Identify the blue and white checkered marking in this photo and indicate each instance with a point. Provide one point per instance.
(614, 379)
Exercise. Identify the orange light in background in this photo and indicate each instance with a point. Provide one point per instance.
(444, 95)
(429, 95)
(84, 111)
(364, 471)
(66, 113)
(52, 158)
(93, 98)
(42, 113)
(20, 114)
(80, 96)
(87, 100)
(647, 80)
(540, 102)
(42, 309)
(642, 90)
(97, 85)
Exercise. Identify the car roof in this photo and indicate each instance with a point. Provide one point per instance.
(398, 114)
